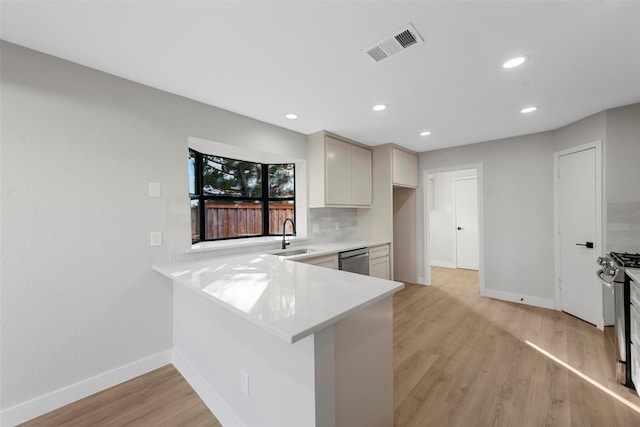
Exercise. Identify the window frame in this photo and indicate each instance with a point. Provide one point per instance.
(264, 198)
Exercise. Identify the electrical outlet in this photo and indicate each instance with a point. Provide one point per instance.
(156, 238)
(337, 226)
(244, 383)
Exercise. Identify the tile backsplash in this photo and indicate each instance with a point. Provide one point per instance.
(623, 227)
(324, 220)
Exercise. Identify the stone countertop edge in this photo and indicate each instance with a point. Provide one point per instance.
(182, 273)
(281, 334)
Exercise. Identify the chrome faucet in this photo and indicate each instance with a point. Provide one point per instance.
(284, 228)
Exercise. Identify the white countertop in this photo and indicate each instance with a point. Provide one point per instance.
(289, 299)
(634, 273)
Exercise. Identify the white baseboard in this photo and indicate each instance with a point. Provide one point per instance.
(522, 299)
(41, 405)
(208, 395)
(446, 264)
(423, 281)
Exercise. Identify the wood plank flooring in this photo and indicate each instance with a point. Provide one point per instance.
(463, 360)
(158, 398)
(459, 360)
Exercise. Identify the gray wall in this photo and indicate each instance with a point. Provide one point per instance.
(623, 178)
(79, 148)
(583, 131)
(517, 193)
(518, 196)
(619, 128)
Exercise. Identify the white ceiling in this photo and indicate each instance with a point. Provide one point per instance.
(265, 59)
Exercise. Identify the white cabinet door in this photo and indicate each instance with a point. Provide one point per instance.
(635, 368)
(405, 168)
(360, 176)
(338, 178)
(339, 172)
(379, 268)
(634, 315)
(328, 261)
(379, 262)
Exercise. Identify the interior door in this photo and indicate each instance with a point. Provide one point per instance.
(581, 293)
(466, 205)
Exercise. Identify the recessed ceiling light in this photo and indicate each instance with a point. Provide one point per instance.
(425, 133)
(379, 107)
(291, 116)
(514, 62)
(528, 110)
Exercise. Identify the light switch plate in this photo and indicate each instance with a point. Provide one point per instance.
(154, 189)
(156, 238)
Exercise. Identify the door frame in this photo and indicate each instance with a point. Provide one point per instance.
(426, 218)
(599, 237)
(455, 215)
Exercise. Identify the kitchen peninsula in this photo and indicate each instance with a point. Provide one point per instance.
(270, 341)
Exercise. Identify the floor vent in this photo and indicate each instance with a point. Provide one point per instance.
(397, 42)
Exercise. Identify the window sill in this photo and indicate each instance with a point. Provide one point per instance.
(241, 243)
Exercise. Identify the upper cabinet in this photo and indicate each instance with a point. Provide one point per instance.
(393, 215)
(360, 176)
(405, 168)
(339, 172)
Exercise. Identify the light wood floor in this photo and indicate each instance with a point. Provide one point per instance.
(158, 398)
(463, 360)
(459, 360)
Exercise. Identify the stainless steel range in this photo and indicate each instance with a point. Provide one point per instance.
(612, 274)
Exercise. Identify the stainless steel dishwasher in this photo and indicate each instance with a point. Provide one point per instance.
(355, 261)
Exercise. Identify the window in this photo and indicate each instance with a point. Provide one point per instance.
(233, 198)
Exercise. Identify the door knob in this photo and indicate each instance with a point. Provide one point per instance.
(460, 228)
(588, 245)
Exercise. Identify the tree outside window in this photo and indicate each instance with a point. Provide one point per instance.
(233, 198)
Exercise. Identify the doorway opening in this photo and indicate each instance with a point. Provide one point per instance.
(454, 219)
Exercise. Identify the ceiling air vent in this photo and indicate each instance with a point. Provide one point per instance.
(397, 42)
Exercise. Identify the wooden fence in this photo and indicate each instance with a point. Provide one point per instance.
(223, 220)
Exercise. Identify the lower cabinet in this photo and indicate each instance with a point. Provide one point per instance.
(634, 312)
(379, 262)
(635, 367)
(329, 261)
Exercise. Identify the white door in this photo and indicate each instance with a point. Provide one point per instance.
(581, 293)
(466, 205)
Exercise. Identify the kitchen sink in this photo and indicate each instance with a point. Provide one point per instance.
(292, 252)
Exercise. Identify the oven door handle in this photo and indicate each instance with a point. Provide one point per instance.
(604, 282)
